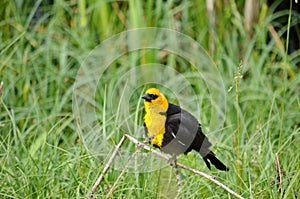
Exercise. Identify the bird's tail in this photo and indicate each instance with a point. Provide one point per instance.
(215, 161)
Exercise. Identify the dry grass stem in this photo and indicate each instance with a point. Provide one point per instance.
(276, 37)
(1, 87)
(279, 178)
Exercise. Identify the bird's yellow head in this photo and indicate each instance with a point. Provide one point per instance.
(154, 97)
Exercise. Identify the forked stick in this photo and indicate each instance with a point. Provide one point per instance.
(144, 146)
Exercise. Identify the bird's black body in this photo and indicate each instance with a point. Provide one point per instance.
(183, 134)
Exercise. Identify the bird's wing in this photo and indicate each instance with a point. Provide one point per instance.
(183, 133)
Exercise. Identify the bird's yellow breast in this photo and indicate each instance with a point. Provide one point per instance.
(155, 120)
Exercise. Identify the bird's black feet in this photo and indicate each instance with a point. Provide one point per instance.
(173, 161)
(148, 139)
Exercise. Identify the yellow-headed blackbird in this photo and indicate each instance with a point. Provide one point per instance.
(174, 130)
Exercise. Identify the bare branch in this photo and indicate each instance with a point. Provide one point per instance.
(144, 146)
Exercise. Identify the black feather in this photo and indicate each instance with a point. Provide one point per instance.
(183, 134)
(215, 161)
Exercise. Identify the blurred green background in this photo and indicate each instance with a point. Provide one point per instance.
(42, 45)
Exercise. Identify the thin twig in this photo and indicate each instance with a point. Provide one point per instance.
(113, 156)
(123, 171)
(173, 163)
(211, 178)
(177, 174)
(119, 177)
(139, 147)
(279, 178)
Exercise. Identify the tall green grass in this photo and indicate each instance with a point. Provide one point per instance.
(42, 155)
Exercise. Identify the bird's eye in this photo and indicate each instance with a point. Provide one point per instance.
(153, 96)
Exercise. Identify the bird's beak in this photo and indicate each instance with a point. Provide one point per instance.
(147, 97)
